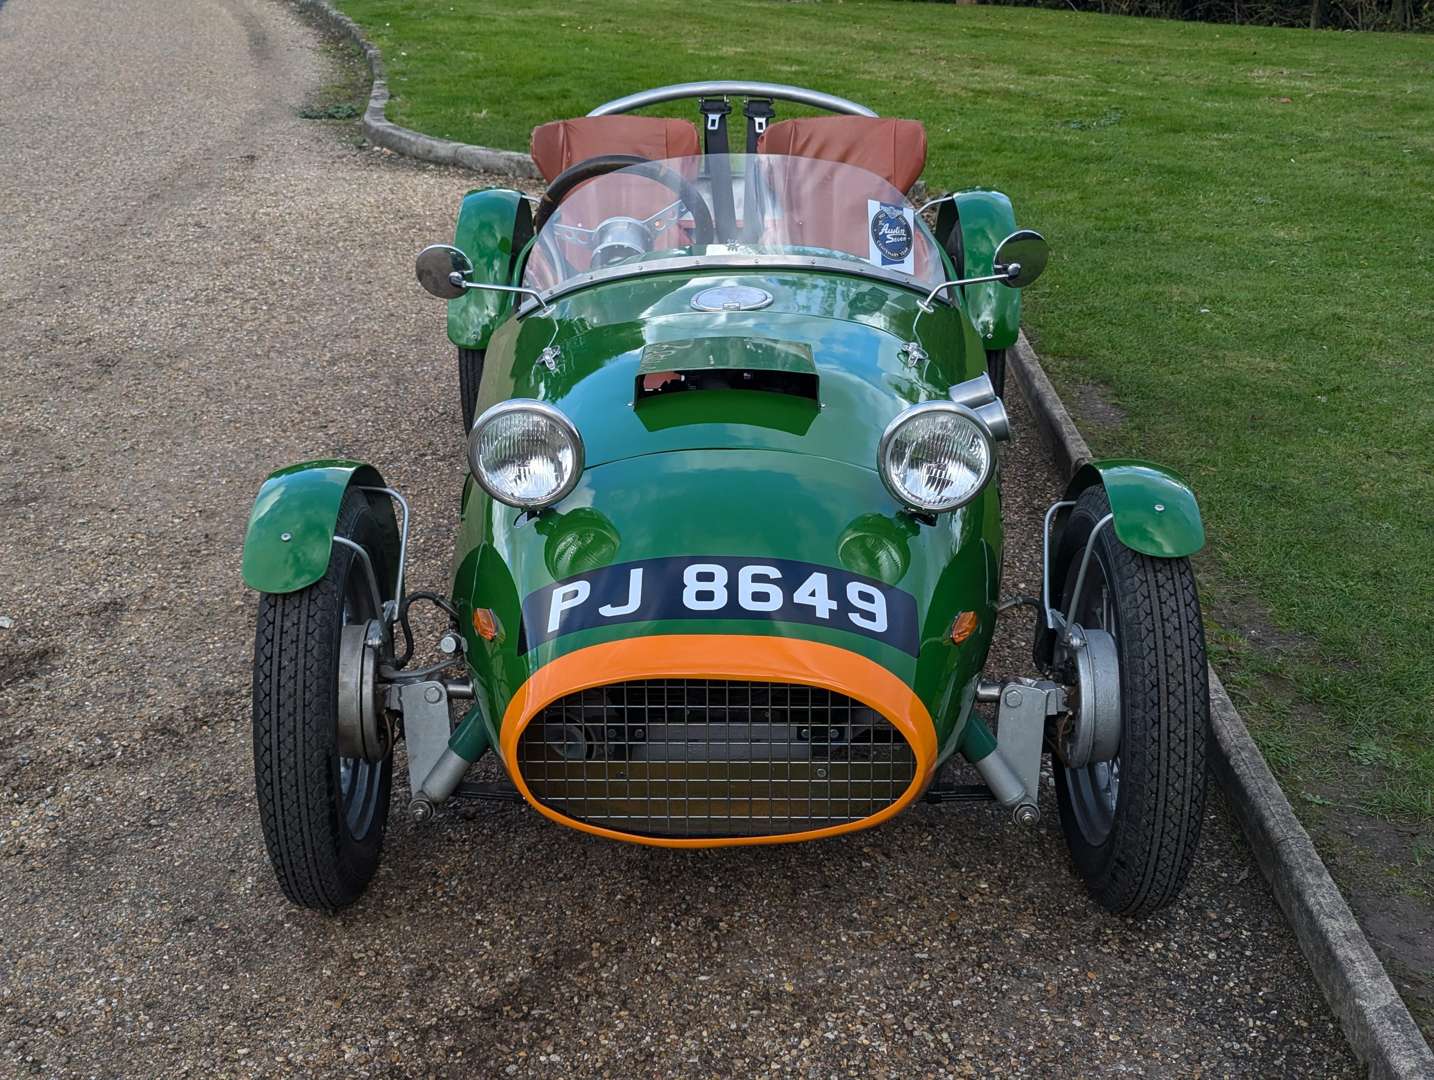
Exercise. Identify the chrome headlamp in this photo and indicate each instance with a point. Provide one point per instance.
(936, 456)
(525, 453)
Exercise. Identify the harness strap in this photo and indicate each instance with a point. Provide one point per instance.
(758, 112)
(714, 128)
(714, 113)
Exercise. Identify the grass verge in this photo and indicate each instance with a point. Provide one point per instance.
(1239, 273)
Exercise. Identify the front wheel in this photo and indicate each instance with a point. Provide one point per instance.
(323, 812)
(1132, 823)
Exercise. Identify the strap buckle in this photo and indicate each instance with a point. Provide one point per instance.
(759, 111)
(715, 110)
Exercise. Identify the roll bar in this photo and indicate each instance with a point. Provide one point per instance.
(731, 88)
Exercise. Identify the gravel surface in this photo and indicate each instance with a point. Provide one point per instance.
(196, 286)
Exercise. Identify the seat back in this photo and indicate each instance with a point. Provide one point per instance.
(563, 143)
(893, 149)
(830, 207)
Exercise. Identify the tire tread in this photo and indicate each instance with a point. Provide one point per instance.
(294, 694)
(1165, 695)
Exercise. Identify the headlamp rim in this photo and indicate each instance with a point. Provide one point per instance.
(550, 412)
(924, 408)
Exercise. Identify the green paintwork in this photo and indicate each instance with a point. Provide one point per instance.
(736, 353)
(710, 502)
(987, 219)
(977, 741)
(485, 234)
(470, 739)
(853, 327)
(751, 408)
(301, 501)
(735, 472)
(1136, 489)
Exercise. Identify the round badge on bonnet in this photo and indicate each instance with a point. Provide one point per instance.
(731, 298)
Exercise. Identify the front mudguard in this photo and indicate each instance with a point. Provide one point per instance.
(493, 227)
(1153, 512)
(985, 219)
(291, 527)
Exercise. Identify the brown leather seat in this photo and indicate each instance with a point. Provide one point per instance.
(827, 206)
(563, 143)
(893, 149)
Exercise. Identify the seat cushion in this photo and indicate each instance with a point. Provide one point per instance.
(563, 143)
(893, 149)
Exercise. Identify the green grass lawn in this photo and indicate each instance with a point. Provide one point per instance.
(1241, 221)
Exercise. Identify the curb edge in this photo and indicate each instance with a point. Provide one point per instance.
(383, 132)
(1373, 1017)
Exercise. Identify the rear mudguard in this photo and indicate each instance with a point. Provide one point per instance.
(493, 227)
(291, 528)
(1154, 512)
(986, 218)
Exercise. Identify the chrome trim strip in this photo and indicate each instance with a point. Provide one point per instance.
(403, 533)
(735, 88)
(852, 267)
(1051, 615)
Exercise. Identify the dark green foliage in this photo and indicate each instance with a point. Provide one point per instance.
(343, 110)
(1316, 14)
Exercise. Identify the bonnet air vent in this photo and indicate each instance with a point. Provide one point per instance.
(726, 363)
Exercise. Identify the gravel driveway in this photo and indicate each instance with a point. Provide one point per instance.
(196, 286)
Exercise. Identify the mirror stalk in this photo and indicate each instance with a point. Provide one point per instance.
(443, 270)
(1006, 273)
(457, 279)
(1019, 260)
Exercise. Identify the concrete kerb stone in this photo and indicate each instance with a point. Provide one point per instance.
(1373, 1017)
(380, 131)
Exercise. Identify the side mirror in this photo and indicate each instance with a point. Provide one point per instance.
(442, 269)
(1021, 258)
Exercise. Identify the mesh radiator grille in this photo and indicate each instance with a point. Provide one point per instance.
(713, 758)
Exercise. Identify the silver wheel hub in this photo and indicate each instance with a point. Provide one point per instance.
(1091, 732)
(362, 727)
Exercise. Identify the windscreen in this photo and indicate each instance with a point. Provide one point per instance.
(779, 206)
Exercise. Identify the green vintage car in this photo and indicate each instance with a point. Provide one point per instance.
(731, 546)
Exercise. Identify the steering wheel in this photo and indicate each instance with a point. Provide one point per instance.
(562, 186)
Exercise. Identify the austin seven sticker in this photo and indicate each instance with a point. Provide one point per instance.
(893, 235)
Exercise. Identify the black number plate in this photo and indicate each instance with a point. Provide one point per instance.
(722, 587)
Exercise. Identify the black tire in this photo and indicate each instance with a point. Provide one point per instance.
(324, 817)
(470, 374)
(1134, 847)
(996, 368)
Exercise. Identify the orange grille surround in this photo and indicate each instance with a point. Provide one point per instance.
(709, 740)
